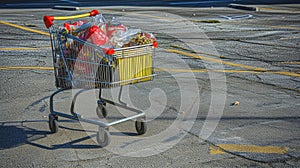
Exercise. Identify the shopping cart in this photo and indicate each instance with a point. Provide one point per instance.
(82, 65)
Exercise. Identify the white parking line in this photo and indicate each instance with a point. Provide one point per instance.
(237, 17)
(70, 1)
(192, 3)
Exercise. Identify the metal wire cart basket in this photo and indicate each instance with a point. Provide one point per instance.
(82, 65)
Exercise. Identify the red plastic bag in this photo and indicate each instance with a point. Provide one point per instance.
(96, 36)
(81, 65)
(114, 26)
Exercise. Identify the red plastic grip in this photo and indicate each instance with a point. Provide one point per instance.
(94, 12)
(108, 51)
(155, 44)
(48, 20)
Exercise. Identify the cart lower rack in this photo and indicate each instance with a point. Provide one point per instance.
(82, 65)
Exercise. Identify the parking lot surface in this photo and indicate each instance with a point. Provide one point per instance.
(226, 92)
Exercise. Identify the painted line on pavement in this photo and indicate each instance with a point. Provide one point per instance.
(222, 148)
(69, 1)
(25, 68)
(285, 27)
(183, 53)
(216, 60)
(24, 28)
(204, 70)
(21, 48)
(292, 74)
(289, 63)
(264, 9)
(174, 19)
(156, 69)
(198, 2)
(267, 26)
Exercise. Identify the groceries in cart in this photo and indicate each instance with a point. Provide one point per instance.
(92, 52)
(111, 34)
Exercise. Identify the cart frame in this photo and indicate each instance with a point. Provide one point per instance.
(103, 135)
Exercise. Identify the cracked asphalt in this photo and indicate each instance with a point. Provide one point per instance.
(260, 62)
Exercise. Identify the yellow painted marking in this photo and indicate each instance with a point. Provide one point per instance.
(13, 49)
(265, 8)
(286, 27)
(277, 27)
(174, 19)
(24, 28)
(234, 64)
(156, 17)
(217, 60)
(20, 48)
(198, 52)
(90, 9)
(139, 14)
(205, 70)
(262, 9)
(286, 73)
(25, 68)
(290, 63)
(170, 50)
(156, 69)
(221, 148)
(180, 70)
(213, 150)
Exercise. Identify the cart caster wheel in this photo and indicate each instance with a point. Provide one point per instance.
(141, 126)
(53, 123)
(101, 111)
(103, 137)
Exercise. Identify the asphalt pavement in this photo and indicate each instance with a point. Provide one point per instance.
(13, 4)
(226, 92)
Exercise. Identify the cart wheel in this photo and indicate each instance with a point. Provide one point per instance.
(101, 111)
(103, 137)
(53, 123)
(141, 126)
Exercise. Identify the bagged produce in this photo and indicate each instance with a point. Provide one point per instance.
(142, 39)
(99, 21)
(114, 26)
(111, 34)
(120, 38)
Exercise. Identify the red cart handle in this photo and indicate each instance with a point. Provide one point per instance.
(48, 20)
